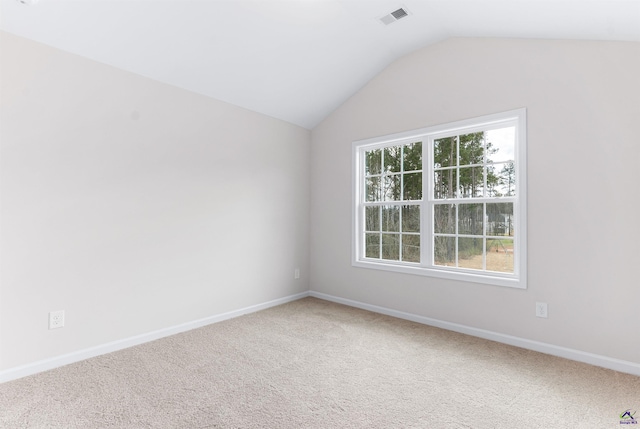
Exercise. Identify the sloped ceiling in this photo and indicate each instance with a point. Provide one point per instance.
(296, 60)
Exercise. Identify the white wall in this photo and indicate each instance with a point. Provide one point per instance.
(135, 206)
(583, 103)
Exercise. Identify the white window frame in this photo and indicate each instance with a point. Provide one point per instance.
(517, 279)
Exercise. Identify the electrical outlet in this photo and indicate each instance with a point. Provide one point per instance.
(296, 273)
(56, 319)
(541, 309)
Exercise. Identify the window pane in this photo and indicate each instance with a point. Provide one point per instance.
(501, 144)
(444, 251)
(372, 245)
(505, 178)
(372, 218)
(444, 152)
(470, 219)
(410, 248)
(471, 182)
(392, 188)
(391, 246)
(373, 162)
(373, 190)
(412, 157)
(444, 218)
(444, 184)
(470, 253)
(392, 159)
(412, 186)
(391, 218)
(500, 255)
(472, 148)
(411, 218)
(494, 187)
(500, 219)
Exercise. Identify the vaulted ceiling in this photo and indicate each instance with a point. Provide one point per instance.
(296, 60)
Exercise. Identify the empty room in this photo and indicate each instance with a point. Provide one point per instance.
(319, 213)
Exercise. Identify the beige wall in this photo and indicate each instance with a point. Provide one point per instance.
(135, 206)
(583, 104)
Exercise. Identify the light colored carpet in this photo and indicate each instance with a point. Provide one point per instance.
(315, 364)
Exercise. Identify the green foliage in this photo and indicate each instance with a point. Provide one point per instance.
(394, 173)
(469, 247)
(508, 178)
(460, 167)
(412, 182)
(445, 250)
(373, 162)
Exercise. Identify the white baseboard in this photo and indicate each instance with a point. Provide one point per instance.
(58, 361)
(577, 355)
(550, 349)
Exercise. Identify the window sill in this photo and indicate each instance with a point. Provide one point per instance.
(464, 276)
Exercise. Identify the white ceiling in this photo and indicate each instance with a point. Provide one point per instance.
(296, 60)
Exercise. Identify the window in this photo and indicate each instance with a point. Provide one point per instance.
(446, 201)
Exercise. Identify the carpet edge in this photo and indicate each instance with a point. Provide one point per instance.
(537, 346)
(80, 355)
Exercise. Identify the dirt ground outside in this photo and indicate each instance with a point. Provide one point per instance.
(498, 259)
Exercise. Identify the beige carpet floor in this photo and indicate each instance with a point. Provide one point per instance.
(315, 364)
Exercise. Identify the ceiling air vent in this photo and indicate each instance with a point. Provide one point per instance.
(394, 16)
